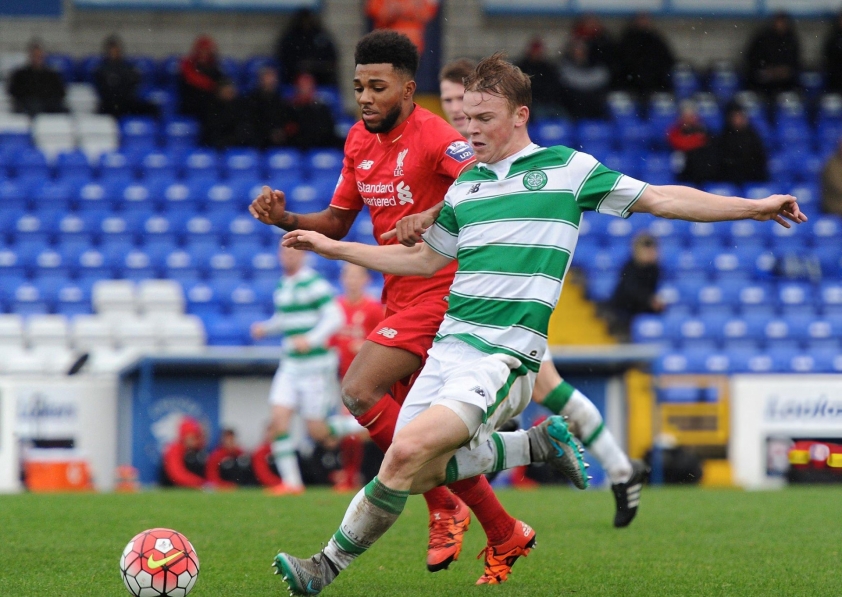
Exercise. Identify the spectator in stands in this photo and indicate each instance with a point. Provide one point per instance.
(689, 136)
(545, 83)
(832, 183)
(645, 58)
(306, 47)
(117, 81)
(584, 82)
(774, 57)
(35, 87)
(636, 288)
(199, 77)
(184, 459)
(272, 117)
(228, 465)
(742, 156)
(601, 46)
(832, 53)
(314, 124)
(409, 17)
(224, 125)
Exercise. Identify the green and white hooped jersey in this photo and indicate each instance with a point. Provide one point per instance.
(300, 300)
(514, 238)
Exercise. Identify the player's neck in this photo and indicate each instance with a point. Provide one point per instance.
(355, 298)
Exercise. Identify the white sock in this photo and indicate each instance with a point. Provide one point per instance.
(586, 424)
(343, 426)
(502, 451)
(370, 514)
(283, 450)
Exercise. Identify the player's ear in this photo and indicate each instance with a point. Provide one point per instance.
(409, 89)
(521, 116)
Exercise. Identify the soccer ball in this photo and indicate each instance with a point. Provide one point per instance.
(159, 563)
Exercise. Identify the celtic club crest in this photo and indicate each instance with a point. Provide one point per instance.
(535, 180)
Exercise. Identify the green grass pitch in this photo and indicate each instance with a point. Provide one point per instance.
(684, 542)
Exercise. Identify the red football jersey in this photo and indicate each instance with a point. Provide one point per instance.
(360, 320)
(403, 172)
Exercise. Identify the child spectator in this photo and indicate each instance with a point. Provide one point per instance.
(184, 459)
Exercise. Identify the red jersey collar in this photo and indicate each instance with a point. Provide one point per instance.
(397, 132)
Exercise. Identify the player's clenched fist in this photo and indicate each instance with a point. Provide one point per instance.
(269, 206)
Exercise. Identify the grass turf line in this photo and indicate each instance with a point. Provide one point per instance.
(685, 541)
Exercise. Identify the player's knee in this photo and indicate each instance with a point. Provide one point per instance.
(405, 455)
(357, 396)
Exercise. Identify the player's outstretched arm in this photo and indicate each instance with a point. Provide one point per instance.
(270, 208)
(409, 229)
(684, 203)
(398, 260)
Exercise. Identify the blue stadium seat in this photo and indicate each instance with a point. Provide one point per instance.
(53, 195)
(555, 132)
(158, 164)
(757, 297)
(118, 163)
(693, 333)
(672, 363)
(601, 286)
(826, 229)
(796, 297)
(596, 132)
(823, 334)
(225, 331)
(136, 264)
(14, 194)
(283, 162)
(242, 163)
(156, 228)
(830, 295)
(201, 160)
(324, 162)
(11, 264)
(309, 197)
(73, 164)
(135, 195)
(92, 264)
(634, 133)
(724, 83)
(38, 226)
(758, 190)
(792, 360)
(181, 132)
(202, 300)
(138, 131)
(30, 163)
(27, 300)
(178, 195)
(648, 328)
(747, 361)
(829, 257)
(180, 264)
(244, 226)
(656, 168)
(778, 333)
(71, 298)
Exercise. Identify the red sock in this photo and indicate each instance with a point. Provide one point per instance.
(351, 449)
(380, 420)
(440, 498)
(478, 495)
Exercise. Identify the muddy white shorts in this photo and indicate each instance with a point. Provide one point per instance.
(497, 384)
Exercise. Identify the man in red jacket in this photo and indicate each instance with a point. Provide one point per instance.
(184, 459)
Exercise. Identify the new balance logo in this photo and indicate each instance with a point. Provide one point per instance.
(474, 188)
(387, 333)
(366, 165)
(478, 390)
(399, 162)
(404, 194)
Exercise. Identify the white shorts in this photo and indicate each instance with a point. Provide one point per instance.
(312, 391)
(497, 384)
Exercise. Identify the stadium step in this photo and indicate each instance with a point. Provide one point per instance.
(574, 321)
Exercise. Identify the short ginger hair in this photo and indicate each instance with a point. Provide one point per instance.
(497, 76)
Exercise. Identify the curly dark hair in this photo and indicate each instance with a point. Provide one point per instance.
(388, 47)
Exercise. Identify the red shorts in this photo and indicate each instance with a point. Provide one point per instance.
(411, 329)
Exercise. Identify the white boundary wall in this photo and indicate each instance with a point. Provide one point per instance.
(778, 406)
(82, 408)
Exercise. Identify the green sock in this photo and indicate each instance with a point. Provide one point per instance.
(557, 399)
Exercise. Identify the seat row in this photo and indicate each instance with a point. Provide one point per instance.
(781, 360)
